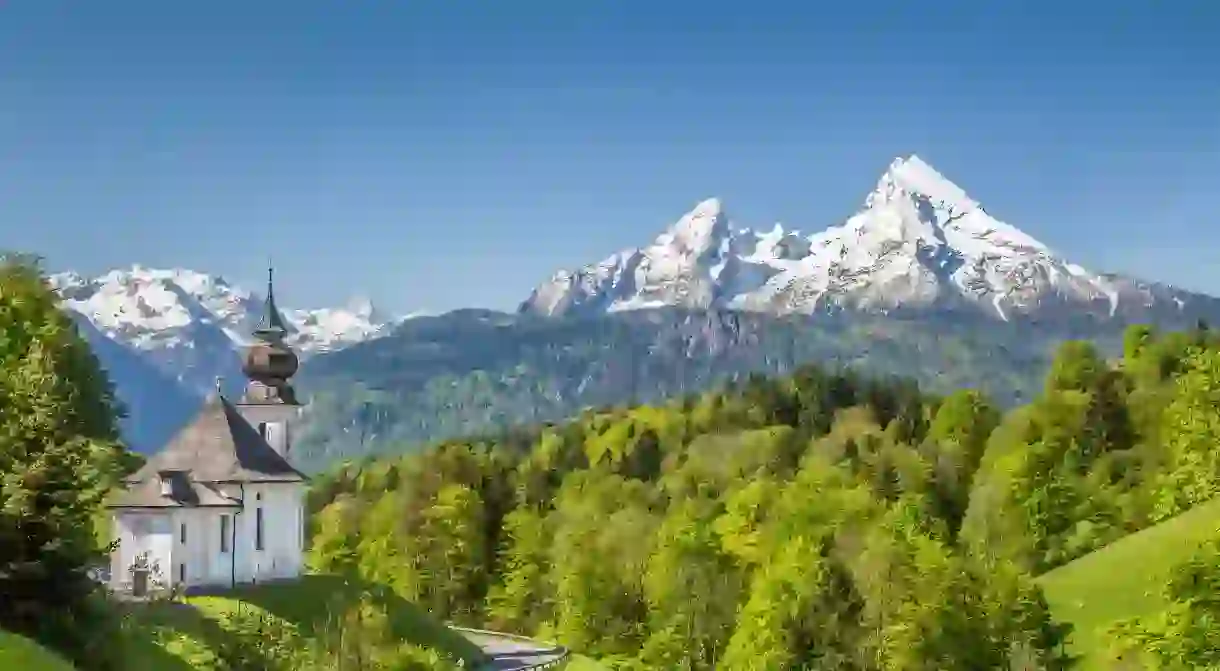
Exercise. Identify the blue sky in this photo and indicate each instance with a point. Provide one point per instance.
(432, 154)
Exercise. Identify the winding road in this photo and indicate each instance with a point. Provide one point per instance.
(514, 653)
(506, 652)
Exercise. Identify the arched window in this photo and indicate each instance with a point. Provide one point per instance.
(262, 430)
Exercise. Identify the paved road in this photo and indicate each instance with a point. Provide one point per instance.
(513, 654)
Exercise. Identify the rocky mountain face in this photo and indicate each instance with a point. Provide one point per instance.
(473, 371)
(166, 335)
(918, 244)
(922, 282)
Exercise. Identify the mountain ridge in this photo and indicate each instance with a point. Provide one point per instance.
(166, 336)
(921, 282)
(919, 242)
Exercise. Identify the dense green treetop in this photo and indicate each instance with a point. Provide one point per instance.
(818, 520)
(58, 457)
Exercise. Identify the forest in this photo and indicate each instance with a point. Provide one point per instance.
(474, 372)
(817, 521)
(61, 455)
(822, 520)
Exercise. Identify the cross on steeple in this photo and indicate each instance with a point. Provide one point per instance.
(271, 327)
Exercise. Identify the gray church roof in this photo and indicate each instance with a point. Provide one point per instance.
(218, 446)
(185, 494)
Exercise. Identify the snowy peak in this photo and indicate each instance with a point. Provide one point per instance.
(697, 231)
(912, 184)
(362, 306)
(920, 242)
(166, 335)
(912, 177)
(142, 307)
(192, 324)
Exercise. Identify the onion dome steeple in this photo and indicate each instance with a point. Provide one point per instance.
(269, 362)
(271, 327)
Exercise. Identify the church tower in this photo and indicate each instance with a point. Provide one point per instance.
(269, 403)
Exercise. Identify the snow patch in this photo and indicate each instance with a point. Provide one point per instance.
(920, 240)
(192, 325)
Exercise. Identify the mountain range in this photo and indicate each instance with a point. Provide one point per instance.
(918, 243)
(167, 336)
(921, 281)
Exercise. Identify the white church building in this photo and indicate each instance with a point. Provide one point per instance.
(221, 504)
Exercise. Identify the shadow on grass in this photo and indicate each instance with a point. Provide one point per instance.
(312, 602)
(168, 636)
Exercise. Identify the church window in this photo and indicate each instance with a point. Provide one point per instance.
(224, 533)
(181, 572)
(258, 529)
(262, 430)
(182, 533)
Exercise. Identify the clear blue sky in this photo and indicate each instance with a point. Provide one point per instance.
(441, 153)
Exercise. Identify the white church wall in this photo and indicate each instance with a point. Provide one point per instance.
(239, 560)
(204, 554)
(201, 556)
(282, 504)
(139, 533)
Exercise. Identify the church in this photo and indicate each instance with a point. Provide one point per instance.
(221, 504)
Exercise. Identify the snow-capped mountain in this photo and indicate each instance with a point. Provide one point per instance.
(188, 327)
(149, 307)
(919, 242)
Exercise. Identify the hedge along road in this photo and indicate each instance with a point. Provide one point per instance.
(506, 652)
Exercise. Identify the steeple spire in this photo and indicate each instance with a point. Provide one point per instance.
(271, 327)
(269, 362)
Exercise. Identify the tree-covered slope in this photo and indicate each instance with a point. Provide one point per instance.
(818, 520)
(473, 371)
(1125, 579)
(777, 524)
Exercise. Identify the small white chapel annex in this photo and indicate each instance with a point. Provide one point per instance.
(221, 504)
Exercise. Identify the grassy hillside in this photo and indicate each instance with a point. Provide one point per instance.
(181, 636)
(17, 652)
(1124, 579)
(581, 663)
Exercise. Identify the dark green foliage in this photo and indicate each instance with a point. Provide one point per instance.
(818, 520)
(58, 457)
(954, 448)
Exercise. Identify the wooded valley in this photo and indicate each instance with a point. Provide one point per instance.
(822, 520)
(819, 521)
